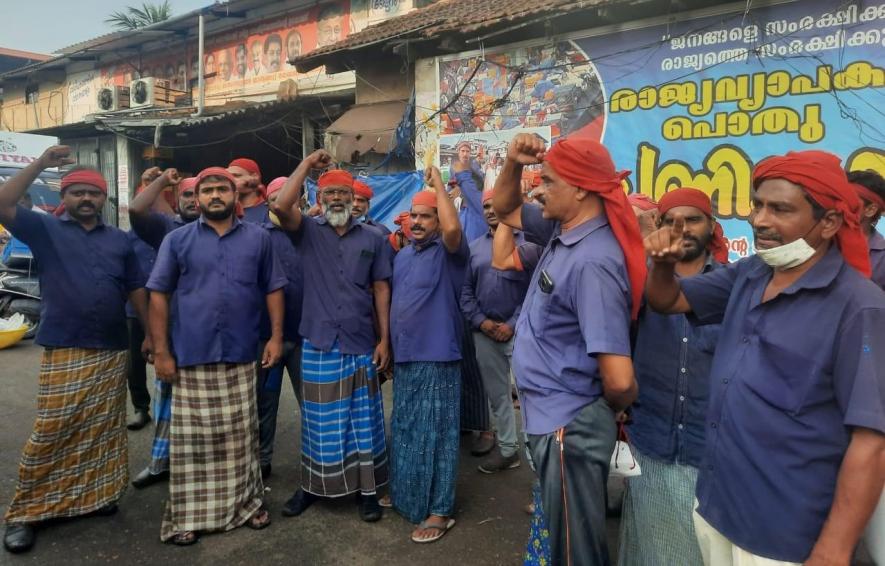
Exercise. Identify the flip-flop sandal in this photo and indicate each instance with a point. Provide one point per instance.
(185, 539)
(257, 524)
(385, 502)
(441, 531)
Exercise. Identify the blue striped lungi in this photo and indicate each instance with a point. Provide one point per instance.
(343, 447)
(163, 418)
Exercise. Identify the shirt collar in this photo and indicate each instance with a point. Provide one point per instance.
(234, 225)
(876, 241)
(819, 276)
(65, 217)
(433, 240)
(350, 223)
(580, 231)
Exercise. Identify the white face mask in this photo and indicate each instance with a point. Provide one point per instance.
(787, 256)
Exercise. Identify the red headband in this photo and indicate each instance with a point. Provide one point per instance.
(215, 172)
(189, 183)
(85, 177)
(247, 164)
(362, 189)
(586, 164)
(688, 196)
(487, 195)
(424, 198)
(276, 185)
(821, 175)
(869, 196)
(641, 201)
(335, 178)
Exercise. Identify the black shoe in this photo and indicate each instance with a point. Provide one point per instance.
(145, 478)
(298, 503)
(265, 471)
(19, 538)
(139, 420)
(370, 511)
(106, 511)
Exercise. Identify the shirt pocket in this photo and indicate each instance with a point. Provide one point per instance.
(361, 269)
(243, 267)
(787, 379)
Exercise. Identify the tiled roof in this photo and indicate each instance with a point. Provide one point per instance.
(448, 16)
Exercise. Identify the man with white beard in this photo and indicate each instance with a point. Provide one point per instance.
(343, 447)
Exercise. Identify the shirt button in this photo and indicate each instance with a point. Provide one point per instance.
(713, 425)
(725, 380)
(679, 426)
(682, 370)
(685, 339)
(681, 398)
(744, 339)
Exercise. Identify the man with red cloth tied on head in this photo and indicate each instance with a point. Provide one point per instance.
(793, 462)
(571, 355)
(362, 201)
(76, 460)
(250, 191)
(870, 187)
(672, 360)
(343, 447)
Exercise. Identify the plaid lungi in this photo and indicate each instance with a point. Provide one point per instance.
(163, 418)
(76, 460)
(214, 475)
(656, 522)
(343, 448)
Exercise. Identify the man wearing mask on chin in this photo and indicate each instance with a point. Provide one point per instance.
(793, 463)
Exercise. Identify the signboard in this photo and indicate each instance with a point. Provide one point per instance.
(18, 150)
(693, 103)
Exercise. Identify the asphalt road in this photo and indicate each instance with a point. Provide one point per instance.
(492, 528)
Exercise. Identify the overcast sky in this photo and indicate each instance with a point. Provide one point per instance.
(45, 26)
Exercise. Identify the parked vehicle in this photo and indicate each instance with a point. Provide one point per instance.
(20, 292)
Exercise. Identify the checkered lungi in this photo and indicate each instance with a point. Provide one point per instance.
(163, 419)
(76, 460)
(215, 478)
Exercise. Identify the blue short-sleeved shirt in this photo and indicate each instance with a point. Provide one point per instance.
(221, 286)
(85, 280)
(877, 258)
(338, 276)
(672, 360)
(561, 330)
(425, 319)
(385, 231)
(290, 261)
(490, 293)
(153, 227)
(473, 221)
(146, 256)
(256, 214)
(790, 377)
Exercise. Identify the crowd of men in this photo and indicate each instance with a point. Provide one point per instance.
(753, 392)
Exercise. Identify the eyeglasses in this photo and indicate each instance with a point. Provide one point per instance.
(337, 192)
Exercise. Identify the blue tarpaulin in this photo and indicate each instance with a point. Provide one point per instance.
(393, 194)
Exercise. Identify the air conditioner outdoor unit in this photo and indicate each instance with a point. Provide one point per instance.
(151, 91)
(113, 98)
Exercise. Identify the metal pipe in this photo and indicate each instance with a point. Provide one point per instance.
(201, 79)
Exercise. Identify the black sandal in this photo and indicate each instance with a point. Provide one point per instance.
(186, 538)
(255, 523)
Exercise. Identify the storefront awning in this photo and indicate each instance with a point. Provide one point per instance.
(364, 128)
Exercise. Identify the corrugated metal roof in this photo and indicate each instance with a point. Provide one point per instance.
(446, 16)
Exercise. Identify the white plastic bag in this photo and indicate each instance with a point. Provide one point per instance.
(14, 322)
(623, 463)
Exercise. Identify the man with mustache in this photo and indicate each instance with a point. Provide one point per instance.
(672, 361)
(75, 462)
(870, 187)
(491, 301)
(427, 280)
(151, 226)
(362, 202)
(793, 461)
(343, 447)
(571, 355)
(223, 273)
(250, 191)
(270, 380)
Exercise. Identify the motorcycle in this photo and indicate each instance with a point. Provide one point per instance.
(20, 287)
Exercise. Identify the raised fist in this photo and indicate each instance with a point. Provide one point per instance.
(526, 149)
(56, 156)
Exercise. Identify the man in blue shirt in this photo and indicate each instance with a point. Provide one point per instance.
(672, 360)
(491, 300)
(250, 191)
(793, 461)
(151, 226)
(362, 203)
(342, 451)
(426, 334)
(223, 272)
(76, 460)
(870, 187)
(571, 355)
